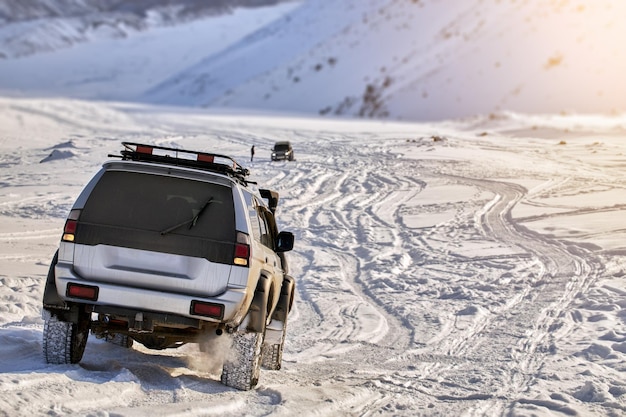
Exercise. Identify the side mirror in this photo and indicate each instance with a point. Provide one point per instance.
(284, 242)
(272, 198)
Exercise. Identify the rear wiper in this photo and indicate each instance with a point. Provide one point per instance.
(197, 216)
(191, 222)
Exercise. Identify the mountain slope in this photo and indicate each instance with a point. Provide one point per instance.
(120, 66)
(395, 59)
(28, 28)
(419, 59)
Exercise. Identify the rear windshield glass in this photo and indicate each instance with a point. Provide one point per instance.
(164, 205)
(281, 147)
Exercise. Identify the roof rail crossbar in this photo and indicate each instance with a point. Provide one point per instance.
(181, 157)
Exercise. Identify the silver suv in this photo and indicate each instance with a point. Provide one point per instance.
(166, 247)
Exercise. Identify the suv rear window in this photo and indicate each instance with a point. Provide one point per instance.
(282, 147)
(160, 213)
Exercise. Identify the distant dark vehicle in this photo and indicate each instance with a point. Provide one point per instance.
(282, 151)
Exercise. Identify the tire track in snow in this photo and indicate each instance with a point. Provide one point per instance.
(350, 234)
(356, 261)
(29, 235)
(530, 319)
(327, 226)
(552, 276)
(358, 249)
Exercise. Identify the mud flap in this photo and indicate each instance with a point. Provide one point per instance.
(257, 314)
(51, 299)
(277, 329)
(285, 302)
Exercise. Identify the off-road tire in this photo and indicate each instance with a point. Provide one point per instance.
(64, 342)
(272, 351)
(242, 367)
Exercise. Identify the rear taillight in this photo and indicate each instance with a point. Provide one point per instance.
(200, 308)
(242, 249)
(86, 292)
(71, 224)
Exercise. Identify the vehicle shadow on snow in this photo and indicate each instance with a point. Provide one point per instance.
(153, 370)
(21, 349)
(103, 362)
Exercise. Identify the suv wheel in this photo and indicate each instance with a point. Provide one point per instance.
(242, 367)
(273, 346)
(63, 341)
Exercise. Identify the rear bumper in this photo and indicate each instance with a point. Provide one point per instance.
(234, 300)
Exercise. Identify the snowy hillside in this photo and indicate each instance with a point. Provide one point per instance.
(395, 59)
(472, 268)
(30, 27)
(420, 60)
(106, 66)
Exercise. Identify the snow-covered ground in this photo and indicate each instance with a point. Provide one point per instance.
(471, 267)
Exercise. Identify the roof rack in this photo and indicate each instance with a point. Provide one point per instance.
(181, 157)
